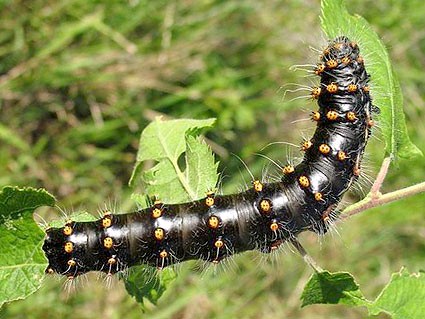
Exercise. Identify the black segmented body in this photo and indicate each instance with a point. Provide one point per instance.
(260, 218)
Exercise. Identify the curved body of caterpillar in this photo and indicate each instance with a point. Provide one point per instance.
(262, 217)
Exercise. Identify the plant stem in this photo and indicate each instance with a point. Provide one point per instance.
(307, 258)
(376, 198)
(372, 201)
(375, 190)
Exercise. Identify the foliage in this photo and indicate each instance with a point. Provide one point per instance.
(79, 81)
(165, 142)
(401, 298)
(142, 289)
(22, 262)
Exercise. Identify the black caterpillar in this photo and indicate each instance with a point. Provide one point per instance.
(262, 217)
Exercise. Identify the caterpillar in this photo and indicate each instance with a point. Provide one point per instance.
(262, 217)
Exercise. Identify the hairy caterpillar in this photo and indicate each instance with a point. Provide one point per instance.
(262, 217)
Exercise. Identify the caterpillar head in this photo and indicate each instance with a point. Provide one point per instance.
(80, 247)
(63, 248)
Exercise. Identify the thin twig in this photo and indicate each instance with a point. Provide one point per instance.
(307, 258)
(376, 187)
(381, 199)
(376, 198)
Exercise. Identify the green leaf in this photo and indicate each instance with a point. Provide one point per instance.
(386, 90)
(201, 168)
(146, 283)
(403, 297)
(79, 217)
(164, 142)
(332, 288)
(142, 200)
(22, 261)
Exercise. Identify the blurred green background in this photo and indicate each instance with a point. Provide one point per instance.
(79, 80)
